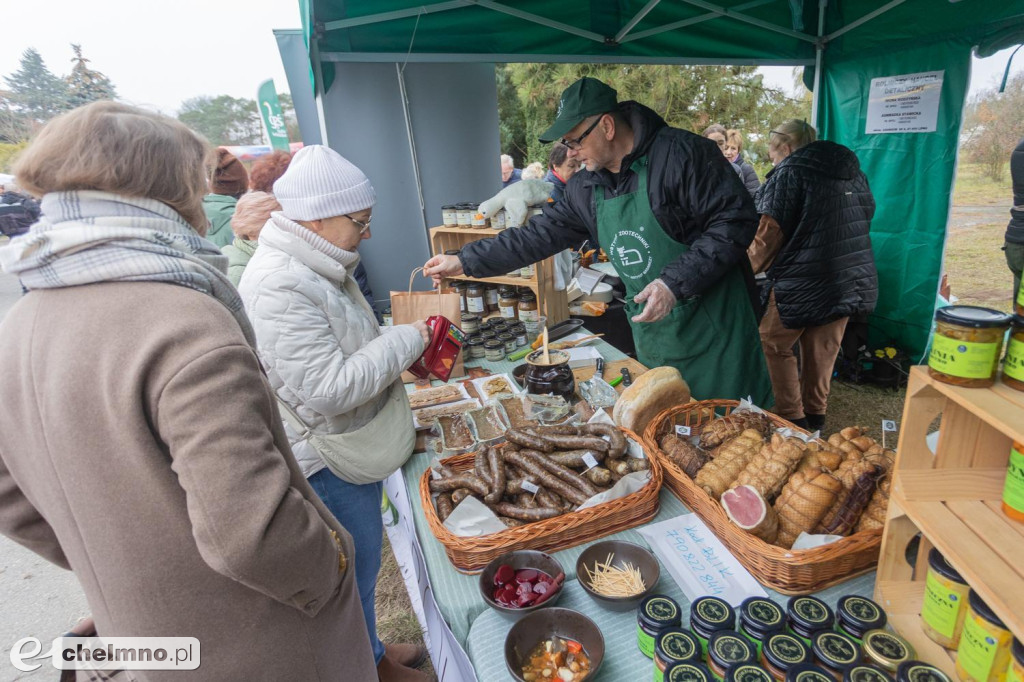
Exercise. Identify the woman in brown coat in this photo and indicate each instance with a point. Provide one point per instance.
(141, 445)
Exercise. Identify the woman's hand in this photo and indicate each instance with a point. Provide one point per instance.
(440, 267)
(424, 331)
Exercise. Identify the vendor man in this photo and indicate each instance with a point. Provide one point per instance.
(675, 221)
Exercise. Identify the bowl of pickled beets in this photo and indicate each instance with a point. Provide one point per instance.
(522, 581)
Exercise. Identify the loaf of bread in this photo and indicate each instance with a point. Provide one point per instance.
(653, 391)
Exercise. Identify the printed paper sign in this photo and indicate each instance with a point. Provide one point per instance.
(888, 425)
(904, 104)
(698, 561)
(590, 461)
(529, 487)
(682, 430)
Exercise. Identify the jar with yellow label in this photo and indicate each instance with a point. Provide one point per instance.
(984, 651)
(1013, 488)
(674, 645)
(708, 615)
(1013, 363)
(966, 345)
(1018, 303)
(945, 602)
(1015, 673)
(886, 649)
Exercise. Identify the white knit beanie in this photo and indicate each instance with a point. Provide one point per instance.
(321, 183)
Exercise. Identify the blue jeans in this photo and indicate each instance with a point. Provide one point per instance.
(357, 508)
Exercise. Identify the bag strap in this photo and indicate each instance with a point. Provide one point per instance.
(412, 276)
(292, 418)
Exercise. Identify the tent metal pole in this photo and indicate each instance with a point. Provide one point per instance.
(819, 51)
(637, 18)
(412, 145)
(767, 25)
(397, 14)
(689, 22)
(867, 17)
(314, 49)
(513, 58)
(537, 19)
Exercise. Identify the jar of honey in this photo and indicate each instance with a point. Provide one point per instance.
(1015, 673)
(945, 602)
(966, 345)
(1013, 488)
(984, 651)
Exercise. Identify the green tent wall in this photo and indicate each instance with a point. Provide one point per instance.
(851, 41)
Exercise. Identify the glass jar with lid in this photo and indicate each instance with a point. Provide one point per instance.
(945, 602)
(494, 350)
(450, 215)
(806, 615)
(855, 615)
(476, 301)
(966, 345)
(709, 615)
(527, 271)
(464, 215)
(1013, 363)
(528, 310)
(479, 222)
(780, 651)
(984, 651)
(491, 291)
(728, 648)
(470, 323)
(508, 303)
(389, 320)
(460, 288)
(475, 344)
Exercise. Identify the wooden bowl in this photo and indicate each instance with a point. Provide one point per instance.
(520, 559)
(547, 623)
(623, 553)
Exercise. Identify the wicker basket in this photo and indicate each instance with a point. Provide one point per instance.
(470, 555)
(787, 571)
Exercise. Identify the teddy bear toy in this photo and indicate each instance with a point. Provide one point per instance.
(516, 200)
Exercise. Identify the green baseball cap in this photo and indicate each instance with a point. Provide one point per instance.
(585, 97)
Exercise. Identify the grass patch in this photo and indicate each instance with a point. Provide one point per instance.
(976, 266)
(396, 622)
(974, 188)
(864, 405)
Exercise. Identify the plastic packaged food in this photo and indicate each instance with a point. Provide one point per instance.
(984, 651)
(708, 615)
(759, 617)
(855, 615)
(807, 615)
(865, 672)
(945, 602)
(747, 672)
(886, 649)
(488, 423)
(1013, 363)
(654, 614)
(834, 652)
(1015, 672)
(780, 651)
(727, 648)
(455, 433)
(966, 345)
(919, 671)
(674, 645)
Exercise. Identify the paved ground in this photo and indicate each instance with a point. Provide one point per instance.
(39, 599)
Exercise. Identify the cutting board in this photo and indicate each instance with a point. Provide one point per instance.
(611, 370)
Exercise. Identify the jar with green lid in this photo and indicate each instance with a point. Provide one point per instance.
(491, 298)
(673, 645)
(855, 615)
(759, 617)
(470, 323)
(807, 672)
(747, 672)
(1015, 672)
(508, 303)
(886, 649)
(834, 652)
(919, 671)
(708, 615)
(807, 615)
(494, 350)
(475, 347)
(865, 672)
(389, 319)
(726, 648)
(945, 602)
(509, 341)
(780, 651)
(475, 299)
(1013, 363)
(450, 215)
(984, 651)
(688, 672)
(966, 345)
(654, 614)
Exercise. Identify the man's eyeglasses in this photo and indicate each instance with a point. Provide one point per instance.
(363, 227)
(578, 142)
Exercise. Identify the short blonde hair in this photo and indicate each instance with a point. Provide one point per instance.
(113, 147)
(251, 213)
(733, 137)
(535, 171)
(795, 132)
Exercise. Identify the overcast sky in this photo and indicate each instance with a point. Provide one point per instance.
(161, 53)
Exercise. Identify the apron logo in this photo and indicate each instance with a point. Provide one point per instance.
(631, 254)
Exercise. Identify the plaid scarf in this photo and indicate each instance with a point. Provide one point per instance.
(85, 237)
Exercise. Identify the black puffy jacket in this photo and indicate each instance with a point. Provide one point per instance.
(694, 192)
(825, 269)
(1015, 230)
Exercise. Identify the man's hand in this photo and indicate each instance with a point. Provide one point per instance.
(440, 267)
(659, 301)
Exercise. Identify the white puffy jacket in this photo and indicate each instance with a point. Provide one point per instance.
(323, 351)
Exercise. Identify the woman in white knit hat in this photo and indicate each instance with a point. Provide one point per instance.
(335, 371)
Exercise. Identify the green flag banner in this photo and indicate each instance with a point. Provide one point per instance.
(273, 120)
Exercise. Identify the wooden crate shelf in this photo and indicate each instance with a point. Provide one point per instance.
(551, 302)
(952, 497)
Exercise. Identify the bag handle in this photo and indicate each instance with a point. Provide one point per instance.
(412, 276)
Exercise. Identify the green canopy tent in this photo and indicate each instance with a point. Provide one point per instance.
(845, 43)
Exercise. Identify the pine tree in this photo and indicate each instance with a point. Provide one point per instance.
(86, 85)
(34, 92)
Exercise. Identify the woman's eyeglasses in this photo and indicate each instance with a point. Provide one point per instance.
(363, 227)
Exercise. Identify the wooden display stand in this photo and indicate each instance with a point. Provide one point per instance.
(550, 302)
(953, 498)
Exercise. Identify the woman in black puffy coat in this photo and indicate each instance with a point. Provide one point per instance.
(813, 243)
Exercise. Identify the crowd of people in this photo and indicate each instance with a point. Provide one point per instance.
(205, 441)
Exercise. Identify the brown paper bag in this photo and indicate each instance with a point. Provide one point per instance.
(409, 306)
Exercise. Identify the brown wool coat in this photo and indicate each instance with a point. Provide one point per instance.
(141, 448)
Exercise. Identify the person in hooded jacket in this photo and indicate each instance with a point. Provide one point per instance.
(228, 183)
(560, 169)
(675, 221)
(336, 373)
(813, 242)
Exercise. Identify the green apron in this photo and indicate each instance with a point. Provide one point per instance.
(711, 339)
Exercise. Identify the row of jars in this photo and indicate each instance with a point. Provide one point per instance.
(492, 339)
(510, 302)
(467, 215)
(525, 272)
(968, 345)
(805, 643)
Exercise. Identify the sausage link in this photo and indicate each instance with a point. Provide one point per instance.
(564, 473)
(481, 466)
(528, 440)
(497, 466)
(460, 494)
(617, 439)
(515, 512)
(444, 485)
(559, 442)
(574, 458)
(510, 523)
(556, 430)
(444, 506)
(535, 468)
(546, 498)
